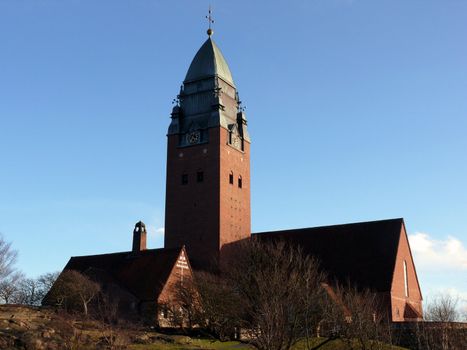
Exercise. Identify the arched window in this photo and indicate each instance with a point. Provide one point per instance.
(231, 178)
(184, 179)
(240, 184)
(406, 284)
(200, 176)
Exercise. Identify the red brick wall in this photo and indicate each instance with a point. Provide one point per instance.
(192, 210)
(205, 216)
(235, 220)
(402, 306)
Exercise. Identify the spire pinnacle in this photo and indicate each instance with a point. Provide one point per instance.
(210, 21)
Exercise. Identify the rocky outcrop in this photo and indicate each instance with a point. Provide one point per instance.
(31, 328)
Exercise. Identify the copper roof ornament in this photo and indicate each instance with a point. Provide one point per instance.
(210, 21)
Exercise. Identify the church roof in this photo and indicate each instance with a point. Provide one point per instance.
(209, 62)
(363, 253)
(142, 273)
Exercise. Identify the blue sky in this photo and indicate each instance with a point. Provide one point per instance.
(357, 111)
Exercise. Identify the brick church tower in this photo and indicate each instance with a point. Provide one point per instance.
(208, 162)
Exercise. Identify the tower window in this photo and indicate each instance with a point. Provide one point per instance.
(199, 176)
(239, 182)
(231, 178)
(184, 179)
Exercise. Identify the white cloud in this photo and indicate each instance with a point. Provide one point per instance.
(155, 231)
(155, 236)
(441, 265)
(438, 255)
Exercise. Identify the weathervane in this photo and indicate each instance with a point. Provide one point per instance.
(210, 21)
(240, 106)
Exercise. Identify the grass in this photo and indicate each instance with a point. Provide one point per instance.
(336, 344)
(194, 344)
(207, 344)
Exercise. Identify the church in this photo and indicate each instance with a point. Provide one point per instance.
(207, 210)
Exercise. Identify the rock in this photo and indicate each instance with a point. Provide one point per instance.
(182, 339)
(142, 339)
(46, 334)
(18, 324)
(163, 338)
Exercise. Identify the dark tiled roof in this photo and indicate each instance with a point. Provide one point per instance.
(362, 253)
(142, 273)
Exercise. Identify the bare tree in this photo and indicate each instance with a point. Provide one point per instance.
(221, 304)
(277, 295)
(441, 332)
(71, 289)
(28, 290)
(185, 310)
(357, 318)
(7, 259)
(18, 289)
(45, 283)
(9, 276)
(270, 293)
(107, 308)
(280, 293)
(442, 308)
(208, 302)
(10, 288)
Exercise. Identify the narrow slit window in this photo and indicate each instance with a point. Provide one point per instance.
(406, 284)
(184, 179)
(200, 176)
(231, 178)
(240, 184)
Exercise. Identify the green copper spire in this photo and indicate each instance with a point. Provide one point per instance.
(209, 62)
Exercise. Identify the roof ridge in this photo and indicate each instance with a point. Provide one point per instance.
(337, 225)
(128, 252)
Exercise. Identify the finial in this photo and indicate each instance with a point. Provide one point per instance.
(210, 21)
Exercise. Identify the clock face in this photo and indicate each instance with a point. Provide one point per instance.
(193, 137)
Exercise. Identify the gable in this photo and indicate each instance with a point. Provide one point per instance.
(406, 296)
(181, 272)
(404, 255)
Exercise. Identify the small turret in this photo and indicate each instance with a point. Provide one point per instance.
(139, 237)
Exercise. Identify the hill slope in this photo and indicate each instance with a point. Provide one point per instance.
(34, 328)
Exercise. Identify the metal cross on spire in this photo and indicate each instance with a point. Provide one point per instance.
(210, 21)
